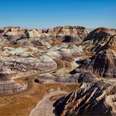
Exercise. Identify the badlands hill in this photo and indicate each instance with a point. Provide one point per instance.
(97, 75)
(68, 55)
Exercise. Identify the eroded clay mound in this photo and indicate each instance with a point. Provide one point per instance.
(92, 99)
(96, 96)
(103, 59)
(98, 38)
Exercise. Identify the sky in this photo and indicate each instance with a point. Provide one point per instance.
(49, 13)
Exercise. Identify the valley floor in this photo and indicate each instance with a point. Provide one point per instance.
(22, 103)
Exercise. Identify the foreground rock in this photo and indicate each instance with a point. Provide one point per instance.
(98, 99)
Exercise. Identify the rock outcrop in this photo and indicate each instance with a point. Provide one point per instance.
(90, 100)
(97, 94)
(98, 38)
(103, 59)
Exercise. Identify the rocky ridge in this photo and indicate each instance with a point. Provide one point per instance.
(97, 93)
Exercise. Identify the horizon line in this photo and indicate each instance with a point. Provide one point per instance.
(52, 26)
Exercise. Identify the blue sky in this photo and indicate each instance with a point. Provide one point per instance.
(47, 13)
